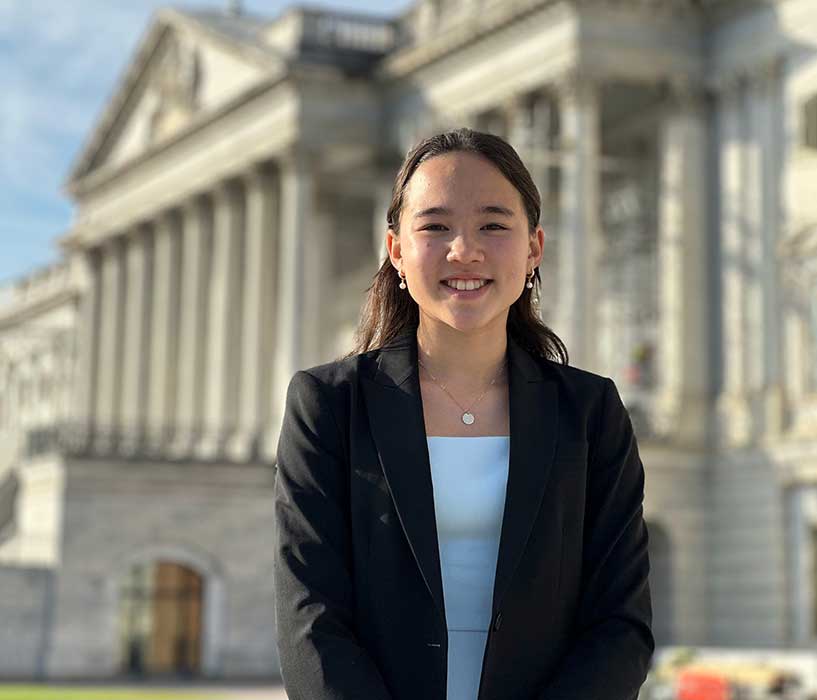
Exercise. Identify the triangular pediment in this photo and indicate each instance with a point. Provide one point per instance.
(188, 66)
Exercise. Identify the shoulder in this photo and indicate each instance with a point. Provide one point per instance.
(587, 397)
(334, 379)
(337, 373)
(576, 383)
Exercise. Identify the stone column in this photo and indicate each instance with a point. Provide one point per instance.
(382, 201)
(733, 408)
(579, 236)
(796, 339)
(197, 233)
(86, 373)
(752, 206)
(164, 332)
(136, 349)
(109, 382)
(518, 116)
(541, 153)
(493, 121)
(539, 161)
(298, 286)
(225, 322)
(770, 135)
(683, 254)
(258, 317)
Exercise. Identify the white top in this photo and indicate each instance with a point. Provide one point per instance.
(469, 476)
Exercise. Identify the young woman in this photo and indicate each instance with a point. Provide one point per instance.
(459, 512)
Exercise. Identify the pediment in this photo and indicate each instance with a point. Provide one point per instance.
(182, 72)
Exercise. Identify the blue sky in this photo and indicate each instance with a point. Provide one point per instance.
(59, 64)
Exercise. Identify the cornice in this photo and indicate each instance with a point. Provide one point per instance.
(405, 61)
(16, 314)
(202, 120)
(416, 55)
(713, 10)
(115, 106)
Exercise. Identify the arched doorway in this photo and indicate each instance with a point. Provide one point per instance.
(160, 619)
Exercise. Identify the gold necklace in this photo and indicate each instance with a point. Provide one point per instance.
(467, 413)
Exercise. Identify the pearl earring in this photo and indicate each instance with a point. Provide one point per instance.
(529, 284)
(402, 279)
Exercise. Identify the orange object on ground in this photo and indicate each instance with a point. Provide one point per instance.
(702, 685)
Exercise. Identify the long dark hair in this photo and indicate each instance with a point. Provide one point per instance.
(389, 310)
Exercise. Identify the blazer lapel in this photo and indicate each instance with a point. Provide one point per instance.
(534, 421)
(397, 423)
(395, 408)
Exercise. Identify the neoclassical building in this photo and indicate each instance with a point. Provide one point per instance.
(230, 213)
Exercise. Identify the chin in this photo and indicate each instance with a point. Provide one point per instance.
(469, 323)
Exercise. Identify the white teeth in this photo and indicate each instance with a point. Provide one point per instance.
(466, 284)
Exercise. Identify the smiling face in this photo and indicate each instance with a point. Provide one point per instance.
(462, 219)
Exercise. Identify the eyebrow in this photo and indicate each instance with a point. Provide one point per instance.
(444, 211)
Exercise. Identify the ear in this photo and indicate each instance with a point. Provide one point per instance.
(537, 243)
(393, 246)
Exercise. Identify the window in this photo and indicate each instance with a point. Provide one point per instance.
(810, 123)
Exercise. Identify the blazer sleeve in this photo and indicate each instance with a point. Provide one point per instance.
(613, 643)
(320, 656)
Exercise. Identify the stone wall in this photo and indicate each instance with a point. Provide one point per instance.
(678, 522)
(25, 620)
(214, 519)
(747, 553)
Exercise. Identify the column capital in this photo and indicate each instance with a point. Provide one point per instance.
(261, 171)
(192, 203)
(166, 219)
(139, 232)
(298, 157)
(685, 94)
(764, 75)
(729, 84)
(86, 260)
(111, 244)
(758, 75)
(574, 84)
(517, 100)
(226, 188)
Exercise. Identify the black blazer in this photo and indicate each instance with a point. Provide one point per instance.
(358, 589)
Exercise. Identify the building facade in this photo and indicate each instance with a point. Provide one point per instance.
(230, 214)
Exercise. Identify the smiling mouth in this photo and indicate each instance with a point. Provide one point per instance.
(466, 285)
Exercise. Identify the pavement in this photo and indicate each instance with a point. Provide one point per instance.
(247, 693)
(187, 691)
(266, 692)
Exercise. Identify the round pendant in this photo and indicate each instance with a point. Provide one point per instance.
(467, 418)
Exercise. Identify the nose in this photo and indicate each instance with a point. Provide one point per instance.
(465, 247)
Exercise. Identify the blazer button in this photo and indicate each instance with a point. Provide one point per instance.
(498, 621)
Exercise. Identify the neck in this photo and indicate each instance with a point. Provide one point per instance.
(461, 359)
